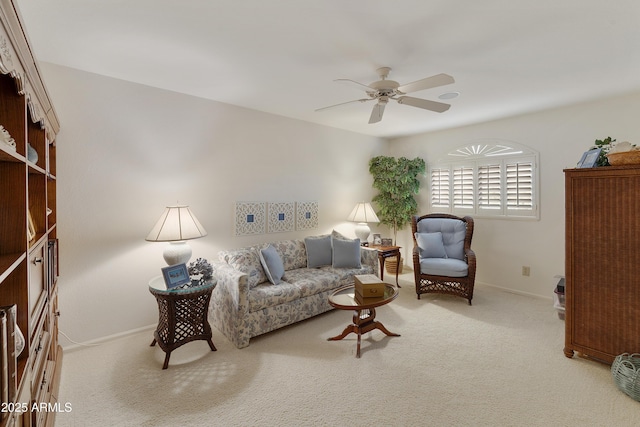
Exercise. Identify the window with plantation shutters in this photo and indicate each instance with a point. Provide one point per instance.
(440, 188)
(491, 179)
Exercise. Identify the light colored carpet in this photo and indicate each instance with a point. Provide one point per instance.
(496, 363)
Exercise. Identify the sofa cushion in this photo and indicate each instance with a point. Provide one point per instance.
(345, 275)
(318, 251)
(266, 295)
(431, 245)
(311, 281)
(272, 264)
(337, 235)
(247, 261)
(292, 253)
(345, 253)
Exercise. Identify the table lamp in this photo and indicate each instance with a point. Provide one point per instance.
(362, 214)
(176, 225)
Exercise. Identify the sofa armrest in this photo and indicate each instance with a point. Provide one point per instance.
(369, 257)
(232, 290)
(229, 303)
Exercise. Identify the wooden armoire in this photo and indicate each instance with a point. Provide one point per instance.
(602, 266)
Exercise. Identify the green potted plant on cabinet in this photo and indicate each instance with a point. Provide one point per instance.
(397, 182)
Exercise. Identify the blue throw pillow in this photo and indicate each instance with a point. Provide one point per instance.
(272, 264)
(346, 253)
(431, 245)
(318, 251)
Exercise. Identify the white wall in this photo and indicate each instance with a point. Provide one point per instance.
(125, 151)
(560, 136)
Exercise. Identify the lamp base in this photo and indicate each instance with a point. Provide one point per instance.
(363, 231)
(177, 253)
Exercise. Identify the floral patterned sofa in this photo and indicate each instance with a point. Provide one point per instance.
(245, 303)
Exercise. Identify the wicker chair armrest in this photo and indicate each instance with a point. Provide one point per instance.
(471, 259)
(415, 253)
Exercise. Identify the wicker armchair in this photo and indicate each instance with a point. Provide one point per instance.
(443, 261)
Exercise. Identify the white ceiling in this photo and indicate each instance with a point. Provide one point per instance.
(281, 56)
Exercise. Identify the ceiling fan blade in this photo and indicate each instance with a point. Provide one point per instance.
(343, 103)
(438, 107)
(377, 112)
(429, 82)
(354, 83)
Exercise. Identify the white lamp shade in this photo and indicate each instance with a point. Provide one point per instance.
(363, 212)
(176, 223)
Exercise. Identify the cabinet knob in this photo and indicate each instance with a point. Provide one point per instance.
(37, 260)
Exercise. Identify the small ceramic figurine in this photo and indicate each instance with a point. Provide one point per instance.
(32, 154)
(6, 138)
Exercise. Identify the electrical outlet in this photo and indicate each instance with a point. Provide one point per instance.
(526, 270)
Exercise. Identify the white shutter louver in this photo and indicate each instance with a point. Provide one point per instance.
(520, 186)
(463, 189)
(440, 188)
(489, 187)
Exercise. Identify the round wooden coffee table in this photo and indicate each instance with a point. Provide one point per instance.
(364, 311)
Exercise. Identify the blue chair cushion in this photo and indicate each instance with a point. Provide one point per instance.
(431, 245)
(450, 267)
(453, 234)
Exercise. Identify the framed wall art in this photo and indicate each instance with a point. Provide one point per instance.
(250, 218)
(306, 215)
(280, 217)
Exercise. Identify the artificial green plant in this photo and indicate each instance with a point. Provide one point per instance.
(605, 144)
(397, 182)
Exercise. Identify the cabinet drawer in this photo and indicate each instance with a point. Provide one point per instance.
(38, 353)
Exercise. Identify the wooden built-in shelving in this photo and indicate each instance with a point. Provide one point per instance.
(28, 229)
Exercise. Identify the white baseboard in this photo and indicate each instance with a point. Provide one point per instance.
(515, 291)
(78, 345)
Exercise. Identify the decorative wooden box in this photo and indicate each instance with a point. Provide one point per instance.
(369, 286)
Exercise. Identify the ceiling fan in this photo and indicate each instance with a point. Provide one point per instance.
(383, 90)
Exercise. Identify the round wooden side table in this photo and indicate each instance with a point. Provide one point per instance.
(364, 311)
(182, 315)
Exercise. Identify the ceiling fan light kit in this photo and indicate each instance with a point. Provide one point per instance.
(383, 90)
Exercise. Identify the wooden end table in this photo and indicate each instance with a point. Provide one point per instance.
(364, 311)
(182, 315)
(385, 252)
